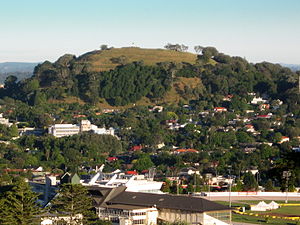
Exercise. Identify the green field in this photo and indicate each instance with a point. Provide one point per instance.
(283, 211)
(260, 220)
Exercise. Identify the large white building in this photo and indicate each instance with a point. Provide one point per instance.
(61, 130)
(130, 208)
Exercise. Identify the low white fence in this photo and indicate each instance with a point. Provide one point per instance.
(254, 193)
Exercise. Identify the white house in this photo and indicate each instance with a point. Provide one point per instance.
(4, 121)
(258, 100)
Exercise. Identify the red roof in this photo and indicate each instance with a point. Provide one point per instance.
(263, 116)
(184, 150)
(79, 116)
(220, 109)
(136, 148)
(144, 171)
(131, 172)
(112, 159)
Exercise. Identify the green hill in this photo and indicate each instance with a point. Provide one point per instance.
(123, 77)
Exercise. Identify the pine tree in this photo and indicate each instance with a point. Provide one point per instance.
(250, 184)
(18, 206)
(73, 200)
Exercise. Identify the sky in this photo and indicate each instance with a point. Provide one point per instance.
(259, 30)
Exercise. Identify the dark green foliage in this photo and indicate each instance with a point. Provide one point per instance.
(73, 200)
(131, 82)
(250, 184)
(84, 149)
(269, 186)
(142, 163)
(187, 70)
(18, 205)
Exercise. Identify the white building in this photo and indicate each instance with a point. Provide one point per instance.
(258, 100)
(128, 214)
(4, 121)
(134, 183)
(128, 208)
(61, 130)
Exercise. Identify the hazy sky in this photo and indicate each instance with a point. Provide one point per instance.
(259, 30)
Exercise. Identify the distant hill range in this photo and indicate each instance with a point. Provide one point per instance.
(19, 69)
(293, 67)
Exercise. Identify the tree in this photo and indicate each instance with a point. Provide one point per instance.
(250, 184)
(73, 199)
(103, 47)
(143, 163)
(176, 47)
(184, 48)
(13, 131)
(18, 206)
(209, 52)
(269, 186)
(198, 49)
(39, 98)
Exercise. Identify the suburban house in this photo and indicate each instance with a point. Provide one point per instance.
(258, 100)
(284, 139)
(5, 121)
(123, 207)
(188, 171)
(185, 150)
(220, 109)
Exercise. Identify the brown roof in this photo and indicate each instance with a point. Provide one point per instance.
(111, 197)
(166, 201)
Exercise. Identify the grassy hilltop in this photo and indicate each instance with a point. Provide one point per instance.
(101, 60)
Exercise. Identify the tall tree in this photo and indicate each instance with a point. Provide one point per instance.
(73, 200)
(250, 184)
(18, 206)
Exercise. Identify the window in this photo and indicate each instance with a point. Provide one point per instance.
(138, 221)
(138, 213)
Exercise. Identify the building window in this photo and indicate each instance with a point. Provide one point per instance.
(138, 221)
(138, 213)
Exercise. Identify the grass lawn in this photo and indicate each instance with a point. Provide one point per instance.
(260, 220)
(285, 210)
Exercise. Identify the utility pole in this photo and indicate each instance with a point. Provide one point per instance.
(209, 176)
(299, 84)
(286, 175)
(230, 183)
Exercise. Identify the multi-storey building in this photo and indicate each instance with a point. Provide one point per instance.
(61, 130)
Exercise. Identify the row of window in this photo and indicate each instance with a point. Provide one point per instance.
(138, 222)
(138, 213)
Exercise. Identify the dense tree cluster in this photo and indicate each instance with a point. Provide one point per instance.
(66, 153)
